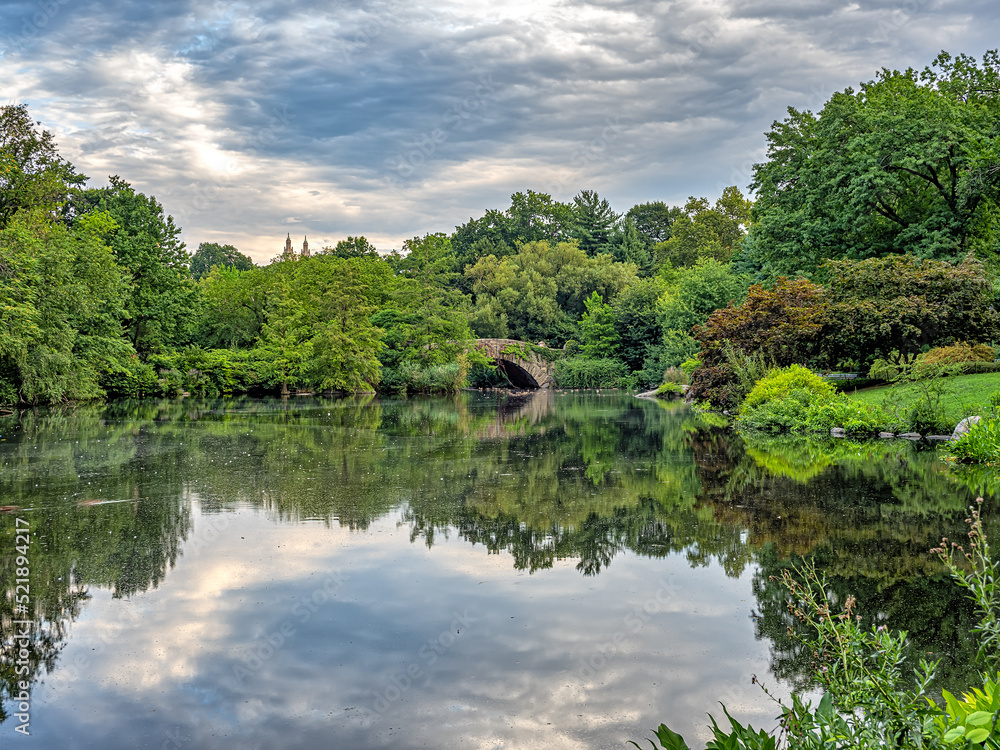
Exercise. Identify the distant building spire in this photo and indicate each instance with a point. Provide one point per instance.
(305, 247)
(288, 244)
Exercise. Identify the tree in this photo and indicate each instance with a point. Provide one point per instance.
(598, 337)
(162, 304)
(61, 306)
(285, 338)
(212, 254)
(32, 174)
(531, 217)
(234, 307)
(353, 247)
(593, 221)
(540, 293)
(636, 321)
(653, 221)
(904, 165)
(695, 293)
(894, 307)
(628, 246)
(345, 344)
(701, 231)
(782, 326)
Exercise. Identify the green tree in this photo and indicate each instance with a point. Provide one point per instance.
(653, 221)
(539, 293)
(702, 231)
(62, 304)
(904, 165)
(234, 307)
(637, 322)
(353, 247)
(531, 217)
(345, 344)
(598, 336)
(285, 341)
(898, 306)
(211, 254)
(32, 174)
(695, 293)
(629, 246)
(593, 222)
(162, 305)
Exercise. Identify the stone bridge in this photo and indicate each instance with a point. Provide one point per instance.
(522, 366)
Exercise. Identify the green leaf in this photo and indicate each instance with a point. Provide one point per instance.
(955, 734)
(669, 739)
(977, 735)
(979, 719)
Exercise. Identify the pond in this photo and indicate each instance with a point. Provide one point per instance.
(556, 570)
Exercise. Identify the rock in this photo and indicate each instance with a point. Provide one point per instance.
(886, 435)
(838, 432)
(646, 394)
(964, 426)
(910, 436)
(938, 438)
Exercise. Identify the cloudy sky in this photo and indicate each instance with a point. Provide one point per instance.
(390, 119)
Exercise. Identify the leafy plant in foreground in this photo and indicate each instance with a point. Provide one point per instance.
(867, 703)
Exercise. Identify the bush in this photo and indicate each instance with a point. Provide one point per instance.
(586, 372)
(410, 377)
(980, 445)
(958, 353)
(782, 382)
(803, 410)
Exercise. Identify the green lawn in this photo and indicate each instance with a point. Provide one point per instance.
(963, 395)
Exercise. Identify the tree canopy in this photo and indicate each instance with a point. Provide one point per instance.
(907, 164)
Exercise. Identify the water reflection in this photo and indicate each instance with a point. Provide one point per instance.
(115, 495)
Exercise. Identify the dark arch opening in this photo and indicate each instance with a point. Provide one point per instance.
(517, 375)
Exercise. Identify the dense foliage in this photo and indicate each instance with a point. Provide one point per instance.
(874, 238)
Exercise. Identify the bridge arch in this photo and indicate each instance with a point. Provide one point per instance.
(523, 367)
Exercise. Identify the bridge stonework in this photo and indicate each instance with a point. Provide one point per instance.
(518, 361)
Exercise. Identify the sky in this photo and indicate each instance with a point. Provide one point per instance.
(252, 120)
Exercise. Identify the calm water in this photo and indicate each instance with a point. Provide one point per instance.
(564, 570)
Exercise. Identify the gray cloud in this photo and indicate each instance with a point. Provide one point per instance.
(391, 119)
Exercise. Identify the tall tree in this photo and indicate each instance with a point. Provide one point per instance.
(593, 221)
(32, 174)
(905, 164)
(353, 247)
(539, 293)
(653, 220)
(162, 304)
(211, 254)
(598, 336)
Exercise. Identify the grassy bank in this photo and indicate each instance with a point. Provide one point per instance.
(960, 396)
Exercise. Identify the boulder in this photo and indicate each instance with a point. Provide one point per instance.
(910, 436)
(886, 435)
(964, 426)
(838, 432)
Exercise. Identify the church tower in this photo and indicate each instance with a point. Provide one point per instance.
(288, 245)
(305, 247)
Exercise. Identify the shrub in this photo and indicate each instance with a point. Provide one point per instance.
(980, 445)
(779, 325)
(586, 372)
(803, 411)
(669, 390)
(782, 382)
(957, 353)
(676, 375)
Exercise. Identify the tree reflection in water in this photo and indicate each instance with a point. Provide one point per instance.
(544, 477)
